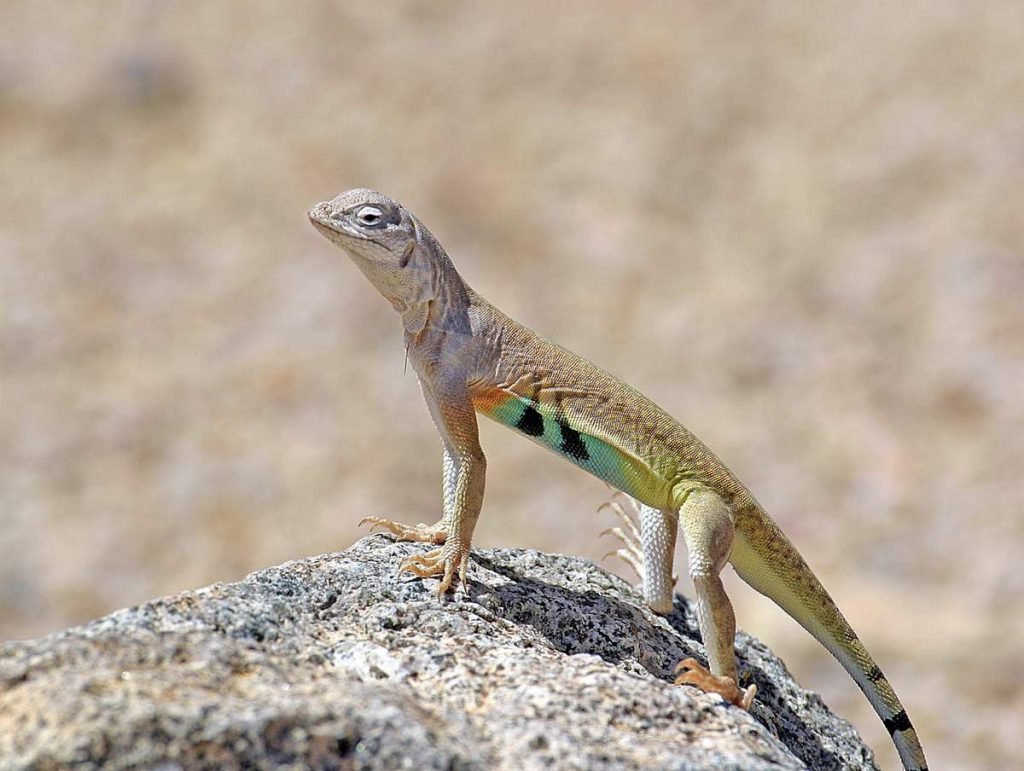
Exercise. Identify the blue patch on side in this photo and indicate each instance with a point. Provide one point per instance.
(536, 422)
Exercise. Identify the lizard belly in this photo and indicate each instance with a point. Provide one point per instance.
(572, 441)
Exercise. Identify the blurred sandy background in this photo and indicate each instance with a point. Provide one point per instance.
(799, 230)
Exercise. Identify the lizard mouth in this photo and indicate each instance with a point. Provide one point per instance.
(326, 224)
(320, 224)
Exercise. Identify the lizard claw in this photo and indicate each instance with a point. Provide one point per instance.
(692, 672)
(445, 562)
(375, 522)
(436, 533)
(628, 553)
(632, 551)
(629, 534)
(629, 520)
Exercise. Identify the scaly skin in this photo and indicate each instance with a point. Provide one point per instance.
(470, 357)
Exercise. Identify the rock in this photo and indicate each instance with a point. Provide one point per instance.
(336, 662)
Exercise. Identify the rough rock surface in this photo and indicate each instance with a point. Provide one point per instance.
(335, 662)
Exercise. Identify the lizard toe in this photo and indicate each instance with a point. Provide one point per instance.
(692, 672)
(422, 533)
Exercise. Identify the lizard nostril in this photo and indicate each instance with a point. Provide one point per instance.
(323, 212)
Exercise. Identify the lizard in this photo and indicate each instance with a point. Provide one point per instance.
(471, 358)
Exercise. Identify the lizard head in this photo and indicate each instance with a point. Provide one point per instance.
(369, 226)
(388, 245)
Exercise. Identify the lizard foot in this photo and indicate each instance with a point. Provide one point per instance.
(436, 533)
(692, 672)
(631, 552)
(445, 562)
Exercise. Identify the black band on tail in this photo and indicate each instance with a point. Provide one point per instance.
(898, 722)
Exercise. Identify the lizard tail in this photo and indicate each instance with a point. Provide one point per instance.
(766, 559)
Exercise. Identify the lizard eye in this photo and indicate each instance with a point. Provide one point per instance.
(370, 217)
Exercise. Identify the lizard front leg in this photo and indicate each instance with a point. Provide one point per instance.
(464, 474)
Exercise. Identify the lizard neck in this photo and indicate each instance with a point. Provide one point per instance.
(445, 304)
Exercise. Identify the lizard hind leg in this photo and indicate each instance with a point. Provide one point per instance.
(707, 525)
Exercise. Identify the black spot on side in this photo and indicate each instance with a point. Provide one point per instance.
(530, 422)
(898, 722)
(875, 674)
(572, 442)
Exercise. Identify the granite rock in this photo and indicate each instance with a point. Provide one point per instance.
(334, 661)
